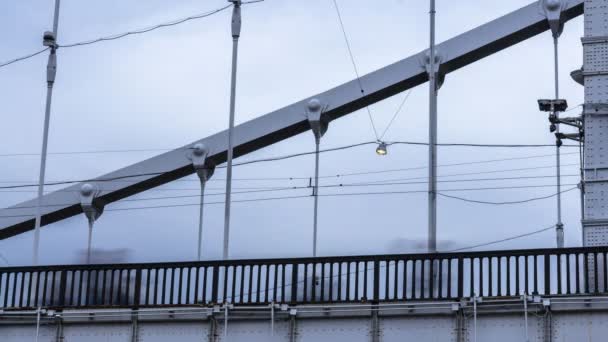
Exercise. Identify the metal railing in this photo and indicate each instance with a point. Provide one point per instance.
(377, 278)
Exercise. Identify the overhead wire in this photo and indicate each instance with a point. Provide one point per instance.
(390, 123)
(128, 33)
(505, 202)
(278, 158)
(352, 59)
(328, 186)
(326, 195)
(504, 240)
(3, 64)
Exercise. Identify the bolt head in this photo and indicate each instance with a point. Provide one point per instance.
(314, 105)
(86, 189)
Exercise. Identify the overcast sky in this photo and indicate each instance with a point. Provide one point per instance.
(169, 87)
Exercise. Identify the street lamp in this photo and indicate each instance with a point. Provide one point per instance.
(381, 150)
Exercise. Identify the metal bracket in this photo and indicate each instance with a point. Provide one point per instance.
(425, 62)
(319, 123)
(91, 208)
(204, 167)
(553, 9)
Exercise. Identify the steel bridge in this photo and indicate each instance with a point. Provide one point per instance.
(519, 295)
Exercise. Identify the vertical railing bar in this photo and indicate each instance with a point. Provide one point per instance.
(357, 281)
(527, 291)
(481, 277)
(204, 286)
(225, 291)
(16, 276)
(348, 277)
(595, 273)
(104, 276)
(508, 276)
(339, 281)
(128, 289)
(137, 288)
(499, 277)
(578, 273)
(188, 280)
(267, 285)
(517, 275)
(460, 271)
(29, 289)
(490, 276)
(196, 283)
(276, 277)
(376, 289)
(233, 289)
(8, 275)
(163, 288)
(242, 287)
(111, 299)
(96, 287)
(305, 296)
(472, 277)
(404, 289)
(87, 291)
(156, 284)
(559, 273)
(322, 281)
(214, 284)
(283, 269)
(331, 277)
(422, 278)
(387, 268)
(396, 280)
(249, 295)
(365, 280)
(180, 285)
(568, 275)
(535, 271)
(258, 283)
(148, 276)
(547, 273)
(586, 277)
(53, 288)
(414, 278)
(171, 290)
(63, 287)
(440, 276)
(21, 291)
(294, 282)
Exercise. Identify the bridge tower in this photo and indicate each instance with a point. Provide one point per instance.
(595, 115)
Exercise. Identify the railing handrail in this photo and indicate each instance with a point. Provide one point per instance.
(304, 260)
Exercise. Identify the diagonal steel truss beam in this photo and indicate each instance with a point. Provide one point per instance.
(289, 121)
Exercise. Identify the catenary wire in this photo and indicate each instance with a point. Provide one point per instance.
(504, 240)
(505, 202)
(328, 186)
(352, 60)
(22, 58)
(328, 195)
(269, 160)
(128, 33)
(145, 30)
(390, 123)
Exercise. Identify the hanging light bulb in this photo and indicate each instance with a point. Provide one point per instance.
(381, 149)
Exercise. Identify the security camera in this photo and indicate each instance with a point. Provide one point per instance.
(552, 128)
